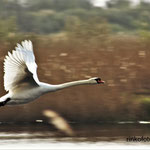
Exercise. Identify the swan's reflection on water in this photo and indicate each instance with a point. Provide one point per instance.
(59, 122)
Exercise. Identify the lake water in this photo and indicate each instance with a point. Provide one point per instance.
(88, 136)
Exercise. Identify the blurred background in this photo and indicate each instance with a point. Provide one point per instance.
(78, 39)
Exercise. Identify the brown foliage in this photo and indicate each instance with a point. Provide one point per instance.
(124, 64)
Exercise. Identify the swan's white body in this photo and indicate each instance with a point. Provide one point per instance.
(21, 81)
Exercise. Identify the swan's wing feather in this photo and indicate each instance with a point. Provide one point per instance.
(20, 66)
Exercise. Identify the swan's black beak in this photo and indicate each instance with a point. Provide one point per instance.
(99, 81)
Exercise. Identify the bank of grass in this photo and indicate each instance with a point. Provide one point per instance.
(122, 61)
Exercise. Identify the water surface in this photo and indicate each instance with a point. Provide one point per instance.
(88, 136)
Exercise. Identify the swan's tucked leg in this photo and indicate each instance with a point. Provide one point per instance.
(4, 102)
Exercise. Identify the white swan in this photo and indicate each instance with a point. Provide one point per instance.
(21, 81)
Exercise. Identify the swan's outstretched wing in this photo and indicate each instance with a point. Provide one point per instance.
(20, 67)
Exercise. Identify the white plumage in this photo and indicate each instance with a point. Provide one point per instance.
(20, 65)
(20, 77)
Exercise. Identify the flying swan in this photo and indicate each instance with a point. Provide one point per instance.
(21, 80)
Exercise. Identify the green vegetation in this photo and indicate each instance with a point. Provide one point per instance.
(50, 16)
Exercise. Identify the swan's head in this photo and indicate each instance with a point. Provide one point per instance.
(96, 80)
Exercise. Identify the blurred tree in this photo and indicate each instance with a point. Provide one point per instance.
(143, 5)
(41, 24)
(49, 16)
(118, 4)
(122, 18)
(58, 5)
(92, 32)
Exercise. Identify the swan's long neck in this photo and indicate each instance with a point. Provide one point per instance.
(74, 83)
(49, 87)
